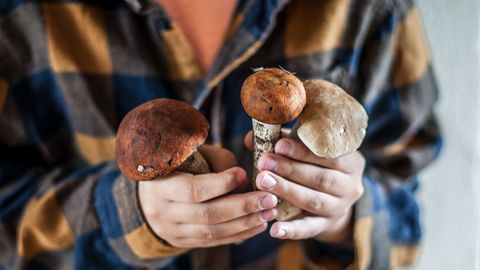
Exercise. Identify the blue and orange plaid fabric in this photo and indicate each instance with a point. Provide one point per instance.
(70, 70)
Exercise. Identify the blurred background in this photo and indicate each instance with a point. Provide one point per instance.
(450, 193)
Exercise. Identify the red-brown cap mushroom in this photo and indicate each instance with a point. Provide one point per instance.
(332, 124)
(271, 97)
(160, 136)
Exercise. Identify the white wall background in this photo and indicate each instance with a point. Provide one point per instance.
(450, 194)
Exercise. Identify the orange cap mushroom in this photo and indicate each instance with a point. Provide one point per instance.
(157, 137)
(272, 97)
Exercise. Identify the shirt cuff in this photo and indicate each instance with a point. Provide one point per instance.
(122, 221)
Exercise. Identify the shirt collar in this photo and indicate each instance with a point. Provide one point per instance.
(257, 20)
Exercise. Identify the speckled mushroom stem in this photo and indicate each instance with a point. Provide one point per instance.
(265, 136)
(286, 211)
(195, 164)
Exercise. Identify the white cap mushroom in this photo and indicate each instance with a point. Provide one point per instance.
(331, 124)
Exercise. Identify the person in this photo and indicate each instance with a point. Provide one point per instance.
(70, 70)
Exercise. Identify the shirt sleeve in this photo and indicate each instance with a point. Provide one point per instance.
(403, 138)
(56, 210)
(397, 87)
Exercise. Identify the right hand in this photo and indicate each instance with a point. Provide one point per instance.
(191, 211)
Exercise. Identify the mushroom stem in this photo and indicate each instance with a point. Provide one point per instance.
(265, 136)
(286, 211)
(195, 164)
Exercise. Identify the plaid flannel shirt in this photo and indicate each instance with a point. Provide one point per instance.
(70, 70)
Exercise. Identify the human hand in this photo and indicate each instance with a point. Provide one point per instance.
(325, 188)
(191, 211)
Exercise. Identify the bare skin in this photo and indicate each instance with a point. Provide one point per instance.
(204, 31)
(192, 211)
(196, 211)
(325, 188)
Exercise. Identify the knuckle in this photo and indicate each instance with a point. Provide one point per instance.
(209, 232)
(358, 192)
(192, 193)
(252, 221)
(289, 169)
(324, 180)
(249, 206)
(316, 204)
(208, 216)
(246, 208)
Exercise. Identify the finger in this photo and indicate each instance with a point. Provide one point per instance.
(220, 159)
(313, 176)
(312, 201)
(298, 151)
(248, 140)
(195, 242)
(183, 187)
(222, 209)
(306, 227)
(229, 228)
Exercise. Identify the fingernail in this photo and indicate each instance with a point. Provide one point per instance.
(281, 232)
(267, 163)
(268, 215)
(268, 182)
(269, 201)
(283, 147)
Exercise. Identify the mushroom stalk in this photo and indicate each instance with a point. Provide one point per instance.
(265, 136)
(195, 164)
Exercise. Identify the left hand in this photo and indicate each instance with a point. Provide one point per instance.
(325, 188)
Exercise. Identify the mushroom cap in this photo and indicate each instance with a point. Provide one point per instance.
(333, 123)
(156, 137)
(273, 96)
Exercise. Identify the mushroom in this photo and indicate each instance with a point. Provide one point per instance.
(271, 97)
(332, 124)
(160, 136)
